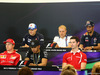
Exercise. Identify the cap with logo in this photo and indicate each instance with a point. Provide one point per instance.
(34, 43)
(32, 26)
(89, 23)
(10, 41)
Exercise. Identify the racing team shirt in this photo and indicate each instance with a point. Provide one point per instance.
(28, 38)
(9, 59)
(62, 42)
(88, 40)
(36, 58)
(75, 59)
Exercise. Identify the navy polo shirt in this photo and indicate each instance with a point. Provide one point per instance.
(88, 40)
(28, 38)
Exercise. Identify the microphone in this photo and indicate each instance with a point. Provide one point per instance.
(53, 45)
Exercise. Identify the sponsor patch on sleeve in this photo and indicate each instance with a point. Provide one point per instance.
(41, 39)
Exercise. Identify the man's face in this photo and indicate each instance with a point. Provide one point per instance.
(32, 32)
(9, 46)
(36, 49)
(90, 29)
(62, 32)
(74, 43)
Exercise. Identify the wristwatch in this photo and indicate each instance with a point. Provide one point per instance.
(92, 47)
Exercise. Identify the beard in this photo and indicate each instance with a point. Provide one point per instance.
(89, 31)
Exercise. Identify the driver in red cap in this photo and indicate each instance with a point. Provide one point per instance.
(9, 57)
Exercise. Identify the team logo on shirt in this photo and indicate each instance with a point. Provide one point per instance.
(85, 59)
(32, 43)
(45, 54)
(69, 58)
(41, 39)
(95, 39)
(66, 39)
(3, 61)
(78, 57)
(23, 39)
(86, 39)
(29, 40)
(3, 56)
(12, 57)
(11, 62)
(31, 56)
(35, 38)
(86, 33)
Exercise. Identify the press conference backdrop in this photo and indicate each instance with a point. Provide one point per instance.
(15, 17)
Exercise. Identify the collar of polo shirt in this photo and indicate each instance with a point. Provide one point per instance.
(75, 52)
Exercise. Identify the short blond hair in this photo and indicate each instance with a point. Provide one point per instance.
(68, 70)
(62, 26)
(96, 69)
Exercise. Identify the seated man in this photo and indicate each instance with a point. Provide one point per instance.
(75, 57)
(33, 34)
(9, 57)
(91, 39)
(36, 56)
(63, 39)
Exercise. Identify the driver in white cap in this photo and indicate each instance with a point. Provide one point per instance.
(32, 34)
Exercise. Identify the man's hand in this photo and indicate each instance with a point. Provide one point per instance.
(88, 48)
(25, 45)
(27, 59)
(31, 64)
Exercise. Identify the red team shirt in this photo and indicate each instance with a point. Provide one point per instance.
(10, 59)
(75, 59)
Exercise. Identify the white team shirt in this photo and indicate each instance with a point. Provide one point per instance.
(62, 42)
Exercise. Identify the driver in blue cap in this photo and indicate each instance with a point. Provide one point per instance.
(32, 34)
(91, 39)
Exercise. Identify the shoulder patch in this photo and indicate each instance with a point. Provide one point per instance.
(85, 33)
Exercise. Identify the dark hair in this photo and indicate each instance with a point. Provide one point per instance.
(76, 38)
(25, 71)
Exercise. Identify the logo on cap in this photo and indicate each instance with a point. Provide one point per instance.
(32, 43)
(89, 23)
(10, 41)
(32, 26)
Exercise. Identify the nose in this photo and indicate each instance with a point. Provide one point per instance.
(61, 32)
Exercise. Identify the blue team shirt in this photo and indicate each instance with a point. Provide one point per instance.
(28, 38)
(88, 40)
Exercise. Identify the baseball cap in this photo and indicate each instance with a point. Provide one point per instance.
(9, 40)
(89, 23)
(34, 43)
(32, 26)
